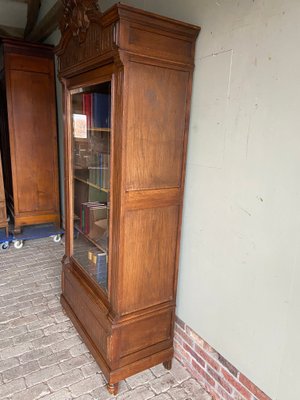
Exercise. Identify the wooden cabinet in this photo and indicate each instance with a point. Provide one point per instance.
(127, 78)
(3, 216)
(29, 132)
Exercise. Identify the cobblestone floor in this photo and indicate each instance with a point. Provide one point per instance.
(41, 354)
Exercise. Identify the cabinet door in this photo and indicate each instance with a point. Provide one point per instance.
(33, 141)
(90, 124)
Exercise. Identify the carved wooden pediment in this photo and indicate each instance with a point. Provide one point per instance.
(77, 17)
(83, 35)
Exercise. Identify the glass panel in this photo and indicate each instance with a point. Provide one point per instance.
(91, 164)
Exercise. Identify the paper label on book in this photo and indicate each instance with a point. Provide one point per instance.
(80, 126)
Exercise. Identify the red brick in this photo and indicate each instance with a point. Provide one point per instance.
(230, 379)
(238, 396)
(227, 365)
(207, 347)
(203, 373)
(212, 362)
(253, 388)
(219, 379)
(193, 354)
(181, 333)
(180, 323)
(194, 336)
(182, 355)
(214, 395)
(178, 338)
(224, 394)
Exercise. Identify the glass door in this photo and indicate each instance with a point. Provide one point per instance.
(91, 116)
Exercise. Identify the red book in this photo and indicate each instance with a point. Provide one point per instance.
(87, 108)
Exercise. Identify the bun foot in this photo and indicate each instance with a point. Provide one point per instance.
(113, 388)
(168, 364)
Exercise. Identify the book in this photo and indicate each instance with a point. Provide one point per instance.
(100, 110)
(87, 108)
(98, 224)
(101, 268)
(85, 214)
(87, 207)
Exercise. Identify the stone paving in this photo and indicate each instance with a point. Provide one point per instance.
(41, 354)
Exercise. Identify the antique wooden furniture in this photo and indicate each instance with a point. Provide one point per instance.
(127, 78)
(3, 216)
(29, 132)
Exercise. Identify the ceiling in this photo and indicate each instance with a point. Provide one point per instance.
(32, 20)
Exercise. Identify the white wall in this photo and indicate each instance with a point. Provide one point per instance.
(13, 13)
(241, 227)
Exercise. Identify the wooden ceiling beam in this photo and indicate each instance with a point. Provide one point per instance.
(48, 24)
(32, 15)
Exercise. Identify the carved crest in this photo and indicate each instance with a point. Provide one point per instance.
(77, 17)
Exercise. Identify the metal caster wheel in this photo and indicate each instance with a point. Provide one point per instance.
(18, 244)
(4, 245)
(57, 238)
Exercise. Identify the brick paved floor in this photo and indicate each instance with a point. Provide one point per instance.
(41, 354)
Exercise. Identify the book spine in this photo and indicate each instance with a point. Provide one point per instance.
(101, 266)
(82, 217)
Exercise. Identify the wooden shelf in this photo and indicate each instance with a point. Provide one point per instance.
(102, 248)
(91, 184)
(100, 129)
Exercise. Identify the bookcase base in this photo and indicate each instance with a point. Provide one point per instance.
(35, 220)
(117, 370)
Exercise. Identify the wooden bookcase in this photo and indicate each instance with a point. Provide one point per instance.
(29, 132)
(127, 79)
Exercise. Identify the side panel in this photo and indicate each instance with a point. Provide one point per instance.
(149, 262)
(156, 126)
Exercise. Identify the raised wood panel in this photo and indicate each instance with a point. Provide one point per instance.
(148, 42)
(155, 127)
(84, 307)
(156, 329)
(152, 198)
(148, 270)
(34, 138)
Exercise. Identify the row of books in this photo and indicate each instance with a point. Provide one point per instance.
(99, 172)
(98, 266)
(93, 219)
(96, 107)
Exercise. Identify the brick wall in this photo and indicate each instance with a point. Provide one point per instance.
(219, 377)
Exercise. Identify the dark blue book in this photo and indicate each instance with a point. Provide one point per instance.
(101, 110)
(101, 267)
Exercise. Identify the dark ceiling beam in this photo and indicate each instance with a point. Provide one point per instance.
(9, 31)
(32, 15)
(48, 24)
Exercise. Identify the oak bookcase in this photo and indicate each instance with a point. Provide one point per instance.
(127, 80)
